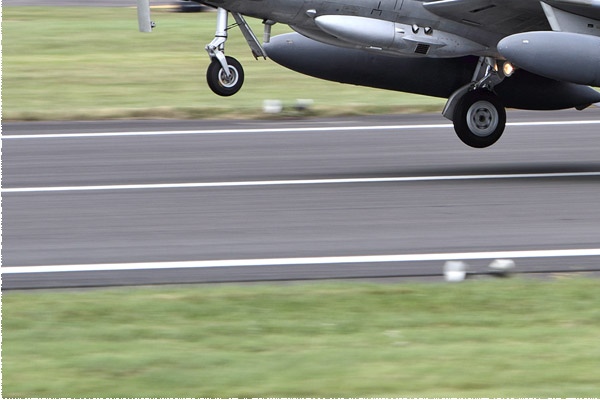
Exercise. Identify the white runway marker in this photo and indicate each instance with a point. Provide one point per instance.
(278, 130)
(303, 261)
(400, 179)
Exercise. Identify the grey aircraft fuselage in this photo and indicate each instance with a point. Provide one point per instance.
(409, 12)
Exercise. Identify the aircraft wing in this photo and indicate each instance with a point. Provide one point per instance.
(584, 8)
(503, 17)
(507, 17)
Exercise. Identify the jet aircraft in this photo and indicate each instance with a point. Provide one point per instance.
(482, 55)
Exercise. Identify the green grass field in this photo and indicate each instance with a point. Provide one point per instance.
(92, 63)
(481, 338)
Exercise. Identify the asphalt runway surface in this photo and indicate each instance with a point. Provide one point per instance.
(385, 197)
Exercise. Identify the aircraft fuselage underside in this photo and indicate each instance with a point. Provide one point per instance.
(483, 55)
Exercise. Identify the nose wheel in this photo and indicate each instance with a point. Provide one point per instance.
(225, 81)
(224, 75)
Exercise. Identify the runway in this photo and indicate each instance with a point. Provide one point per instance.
(154, 202)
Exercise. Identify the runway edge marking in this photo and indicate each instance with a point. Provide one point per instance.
(405, 179)
(277, 130)
(302, 261)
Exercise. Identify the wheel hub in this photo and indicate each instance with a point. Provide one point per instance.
(482, 118)
(228, 81)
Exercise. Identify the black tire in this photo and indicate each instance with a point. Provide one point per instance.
(479, 119)
(218, 81)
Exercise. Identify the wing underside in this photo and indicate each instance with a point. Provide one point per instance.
(584, 8)
(506, 17)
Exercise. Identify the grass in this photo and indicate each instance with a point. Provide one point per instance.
(503, 338)
(92, 63)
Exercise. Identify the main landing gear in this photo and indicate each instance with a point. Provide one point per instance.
(225, 75)
(477, 113)
(479, 118)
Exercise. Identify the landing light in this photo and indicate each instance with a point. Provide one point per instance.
(508, 69)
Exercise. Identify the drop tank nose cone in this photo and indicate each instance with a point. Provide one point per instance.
(508, 46)
(563, 56)
(284, 50)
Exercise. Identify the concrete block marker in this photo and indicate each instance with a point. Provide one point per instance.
(455, 271)
(502, 267)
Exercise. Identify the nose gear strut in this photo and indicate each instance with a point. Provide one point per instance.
(225, 75)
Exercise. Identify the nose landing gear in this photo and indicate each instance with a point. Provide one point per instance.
(225, 75)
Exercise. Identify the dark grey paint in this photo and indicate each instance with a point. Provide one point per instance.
(427, 76)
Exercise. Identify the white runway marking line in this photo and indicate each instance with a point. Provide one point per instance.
(302, 261)
(228, 131)
(278, 130)
(400, 179)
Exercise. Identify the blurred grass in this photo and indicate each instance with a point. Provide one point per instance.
(482, 338)
(91, 63)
